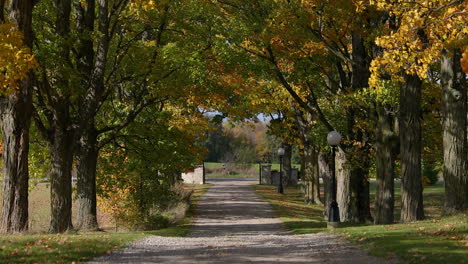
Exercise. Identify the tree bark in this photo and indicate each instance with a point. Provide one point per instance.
(15, 111)
(86, 162)
(61, 151)
(410, 154)
(316, 179)
(325, 172)
(385, 166)
(311, 177)
(454, 105)
(346, 189)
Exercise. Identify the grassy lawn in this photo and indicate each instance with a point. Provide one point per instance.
(435, 240)
(215, 170)
(233, 176)
(78, 247)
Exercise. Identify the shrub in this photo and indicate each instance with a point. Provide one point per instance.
(144, 209)
(154, 221)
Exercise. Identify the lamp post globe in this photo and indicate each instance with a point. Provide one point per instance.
(280, 152)
(334, 138)
(280, 184)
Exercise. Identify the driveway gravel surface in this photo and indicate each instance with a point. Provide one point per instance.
(234, 225)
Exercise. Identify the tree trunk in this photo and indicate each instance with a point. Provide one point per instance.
(361, 176)
(358, 158)
(88, 146)
(287, 163)
(15, 111)
(310, 177)
(410, 153)
(325, 172)
(305, 177)
(309, 158)
(86, 185)
(454, 104)
(61, 155)
(346, 191)
(316, 178)
(385, 164)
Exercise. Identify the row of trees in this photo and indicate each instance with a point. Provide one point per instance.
(370, 69)
(245, 143)
(96, 77)
(377, 71)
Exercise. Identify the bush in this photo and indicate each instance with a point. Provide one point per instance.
(152, 209)
(154, 222)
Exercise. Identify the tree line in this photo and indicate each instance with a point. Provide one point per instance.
(389, 75)
(98, 77)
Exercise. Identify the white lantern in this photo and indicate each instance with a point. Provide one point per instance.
(281, 151)
(334, 138)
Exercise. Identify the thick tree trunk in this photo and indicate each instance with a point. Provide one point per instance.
(86, 162)
(87, 142)
(454, 104)
(325, 172)
(316, 178)
(307, 175)
(410, 154)
(287, 163)
(15, 111)
(361, 176)
(309, 158)
(60, 135)
(385, 164)
(306, 178)
(311, 177)
(61, 155)
(346, 189)
(360, 196)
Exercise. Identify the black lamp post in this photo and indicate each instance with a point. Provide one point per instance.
(280, 185)
(333, 139)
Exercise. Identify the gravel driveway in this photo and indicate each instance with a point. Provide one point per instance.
(233, 225)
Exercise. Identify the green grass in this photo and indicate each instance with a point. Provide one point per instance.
(79, 247)
(240, 175)
(214, 170)
(213, 165)
(60, 248)
(436, 240)
(298, 217)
